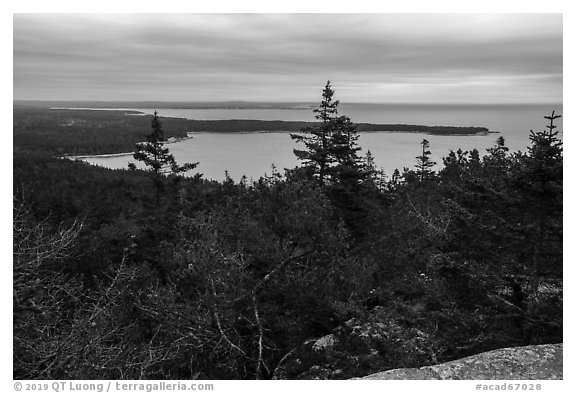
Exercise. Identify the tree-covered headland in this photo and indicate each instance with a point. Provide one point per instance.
(146, 274)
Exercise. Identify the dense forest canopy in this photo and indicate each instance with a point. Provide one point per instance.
(127, 274)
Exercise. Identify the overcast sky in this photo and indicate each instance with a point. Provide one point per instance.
(404, 58)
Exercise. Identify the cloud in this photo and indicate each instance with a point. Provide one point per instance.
(284, 57)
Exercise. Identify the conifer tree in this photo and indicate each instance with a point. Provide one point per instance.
(317, 139)
(540, 181)
(424, 163)
(497, 154)
(374, 174)
(455, 166)
(546, 149)
(157, 158)
(500, 149)
(344, 147)
(396, 177)
(541, 175)
(331, 146)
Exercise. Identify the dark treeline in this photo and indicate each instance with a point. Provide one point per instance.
(295, 126)
(135, 275)
(88, 132)
(433, 130)
(84, 132)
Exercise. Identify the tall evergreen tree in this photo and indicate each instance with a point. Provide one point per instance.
(424, 163)
(348, 166)
(546, 149)
(331, 146)
(157, 158)
(540, 190)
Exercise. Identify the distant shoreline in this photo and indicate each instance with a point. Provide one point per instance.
(127, 111)
(238, 126)
(129, 153)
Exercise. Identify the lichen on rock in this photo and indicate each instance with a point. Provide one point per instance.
(541, 362)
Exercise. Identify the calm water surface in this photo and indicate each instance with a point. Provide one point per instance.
(253, 154)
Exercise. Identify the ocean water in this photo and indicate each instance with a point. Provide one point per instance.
(253, 154)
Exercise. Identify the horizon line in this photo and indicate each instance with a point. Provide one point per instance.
(283, 102)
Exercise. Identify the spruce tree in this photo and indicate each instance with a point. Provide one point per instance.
(331, 157)
(497, 158)
(348, 166)
(317, 138)
(546, 149)
(374, 174)
(424, 163)
(157, 158)
(540, 181)
(396, 177)
(331, 146)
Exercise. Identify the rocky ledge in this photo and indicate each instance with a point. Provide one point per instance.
(530, 362)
